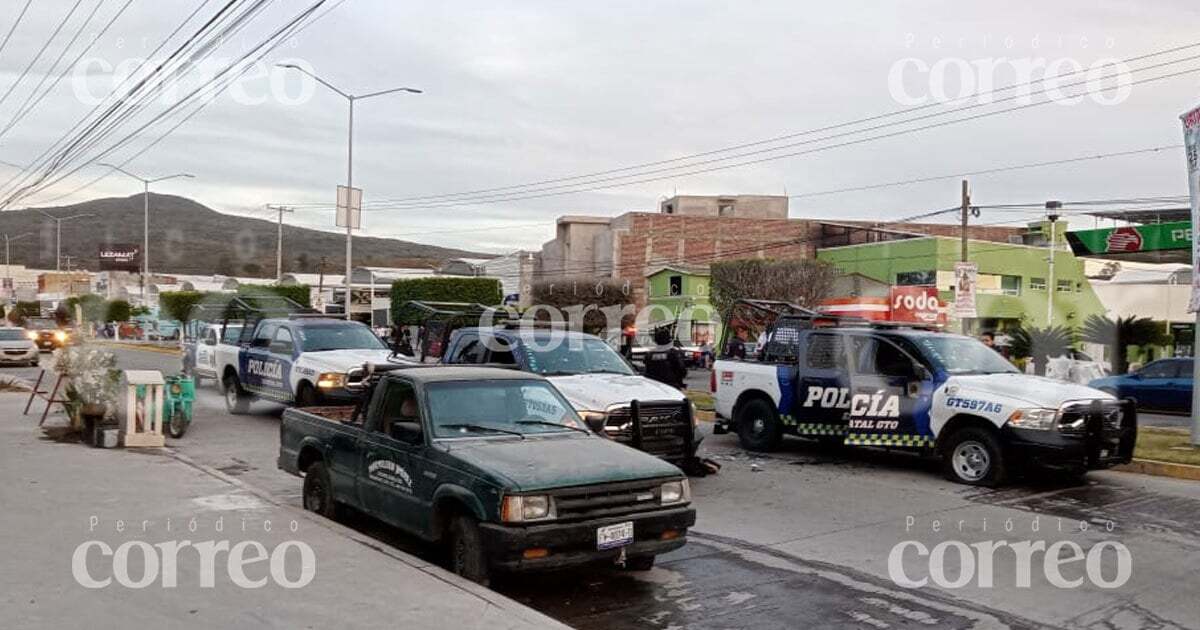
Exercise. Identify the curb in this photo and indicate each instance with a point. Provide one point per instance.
(1161, 469)
(487, 596)
(142, 347)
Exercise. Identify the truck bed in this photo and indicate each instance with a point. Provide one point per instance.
(343, 414)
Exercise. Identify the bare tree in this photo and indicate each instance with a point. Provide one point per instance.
(803, 282)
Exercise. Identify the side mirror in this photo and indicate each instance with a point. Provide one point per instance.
(407, 432)
(596, 424)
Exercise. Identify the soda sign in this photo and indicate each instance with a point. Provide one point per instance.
(915, 304)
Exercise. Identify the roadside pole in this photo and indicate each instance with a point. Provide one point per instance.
(279, 241)
(1050, 286)
(966, 212)
(1191, 142)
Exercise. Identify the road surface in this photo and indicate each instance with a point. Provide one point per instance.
(802, 538)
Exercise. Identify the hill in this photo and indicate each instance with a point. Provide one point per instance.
(189, 237)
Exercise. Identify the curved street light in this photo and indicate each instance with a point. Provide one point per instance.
(350, 98)
(145, 216)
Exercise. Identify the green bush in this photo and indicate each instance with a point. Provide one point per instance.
(19, 311)
(178, 305)
(484, 291)
(118, 311)
(93, 306)
(297, 293)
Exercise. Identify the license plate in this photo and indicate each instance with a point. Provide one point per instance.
(611, 536)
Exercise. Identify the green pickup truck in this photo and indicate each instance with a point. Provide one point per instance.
(493, 463)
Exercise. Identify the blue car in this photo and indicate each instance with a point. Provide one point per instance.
(1163, 385)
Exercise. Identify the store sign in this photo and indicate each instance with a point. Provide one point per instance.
(1132, 239)
(914, 304)
(119, 257)
(1191, 143)
(965, 279)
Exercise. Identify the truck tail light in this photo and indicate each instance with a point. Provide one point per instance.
(712, 382)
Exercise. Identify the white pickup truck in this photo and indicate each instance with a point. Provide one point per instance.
(937, 392)
(301, 361)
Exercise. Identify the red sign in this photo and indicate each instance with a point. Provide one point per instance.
(915, 304)
(1125, 239)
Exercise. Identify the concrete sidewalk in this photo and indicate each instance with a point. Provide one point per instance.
(59, 498)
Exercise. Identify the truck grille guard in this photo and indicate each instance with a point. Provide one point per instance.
(661, 428)
(1100, 422)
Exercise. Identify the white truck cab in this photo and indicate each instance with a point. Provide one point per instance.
(917, 389)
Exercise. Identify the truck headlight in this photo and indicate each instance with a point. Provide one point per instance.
(595, 420)
(32, 334)
(1034, 418)
(60, 336)
(525, 508)
(674, 492)
(331, 380)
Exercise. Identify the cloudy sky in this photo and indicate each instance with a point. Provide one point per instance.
(523, 92)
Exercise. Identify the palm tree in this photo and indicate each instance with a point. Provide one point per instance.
(1039, 344)
(1117, 335)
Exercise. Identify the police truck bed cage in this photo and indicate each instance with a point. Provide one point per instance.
(244, 307)
(777, 324)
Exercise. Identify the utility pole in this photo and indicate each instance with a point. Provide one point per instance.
(279, 241)
(1053, 218)
(58, 234)
(7, 267)
(321, 279)
(966, 211)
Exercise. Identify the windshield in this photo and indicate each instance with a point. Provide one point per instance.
(12, 334)
(962, 355)
(347, 336)
(40, 324)
(501, 407)
(573, 355)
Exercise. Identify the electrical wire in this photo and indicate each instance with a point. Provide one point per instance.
(41, 51)
(16, 23)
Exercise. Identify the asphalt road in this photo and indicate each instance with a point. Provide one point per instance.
(802, 538)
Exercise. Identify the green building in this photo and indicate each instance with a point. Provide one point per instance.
(1013, 282)
(679, 293)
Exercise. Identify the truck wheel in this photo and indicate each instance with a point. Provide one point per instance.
(318, 491)
(466, 550)
(237, 401)
(640, 563)
(758, 426)
(973, 456)
(306, 396)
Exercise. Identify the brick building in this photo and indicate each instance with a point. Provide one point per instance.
(692, 230)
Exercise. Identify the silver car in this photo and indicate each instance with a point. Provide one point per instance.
(16, 348)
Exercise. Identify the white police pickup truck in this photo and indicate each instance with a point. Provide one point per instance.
(299, 360)
(936, 392)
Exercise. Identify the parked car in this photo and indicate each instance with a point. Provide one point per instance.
(16, 348)
(1163, 385)
(495, 464)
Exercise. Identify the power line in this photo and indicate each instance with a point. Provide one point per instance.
(41, 51)
(791, 135)
(16, 23)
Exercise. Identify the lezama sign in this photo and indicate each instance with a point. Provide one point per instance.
(120, 257)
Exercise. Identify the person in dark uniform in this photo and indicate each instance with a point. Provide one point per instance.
(737, 345)
(664, 362)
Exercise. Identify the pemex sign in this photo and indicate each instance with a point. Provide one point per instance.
(1132, 239)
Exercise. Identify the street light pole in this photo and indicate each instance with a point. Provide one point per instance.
(145, 218)
(279, 241)
(58, 234)
(7, 265)
(350, 98)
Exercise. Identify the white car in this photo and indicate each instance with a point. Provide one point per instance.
(300, 361)
(200, 352)
(16, 348)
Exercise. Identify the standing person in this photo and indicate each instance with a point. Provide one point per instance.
(737, 346)
(627, 335)
(664, 362)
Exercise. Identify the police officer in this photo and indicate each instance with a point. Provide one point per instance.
(664, 362)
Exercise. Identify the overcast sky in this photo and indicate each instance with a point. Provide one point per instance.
(529, 91)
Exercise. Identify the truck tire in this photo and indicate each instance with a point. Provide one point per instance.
(467, 557)
(639, 563)
(237, 401)
(758, 426)
(307, 396)
(973, 456)
(318, 491)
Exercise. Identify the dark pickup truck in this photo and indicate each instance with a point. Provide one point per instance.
(493, 463)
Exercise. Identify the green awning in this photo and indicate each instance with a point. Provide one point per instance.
(1155, 242)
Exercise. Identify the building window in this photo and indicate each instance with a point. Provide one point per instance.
(1010, 285)
(669, 209)
(1037, 284)
(916, 278)
(725, 208)
(1064, 285)
(675, 286)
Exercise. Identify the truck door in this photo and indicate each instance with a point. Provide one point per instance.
(386, 475)
(889, 398)
(254, 365)
(206, 352)
(822, 385)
